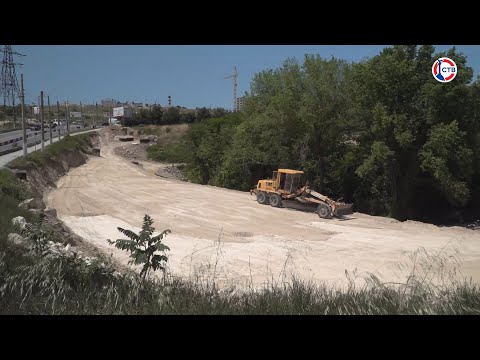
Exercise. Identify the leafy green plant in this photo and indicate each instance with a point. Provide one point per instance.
(143, 247)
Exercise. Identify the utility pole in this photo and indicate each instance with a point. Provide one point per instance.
(66, 117)
(49, 119)
(14, 117)
(24, 130)
(58, 120)
(41, 119)
(81, 114)
(37, 117)
(96, 114)
(235, 81)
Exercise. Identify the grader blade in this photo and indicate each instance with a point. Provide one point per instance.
(343, 209)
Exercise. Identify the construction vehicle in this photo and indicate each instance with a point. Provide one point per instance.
(283, 189)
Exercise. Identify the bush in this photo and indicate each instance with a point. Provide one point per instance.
(177, 153)
(10, 186)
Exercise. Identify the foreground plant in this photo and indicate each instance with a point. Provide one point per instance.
(37, 235)
(143, 247)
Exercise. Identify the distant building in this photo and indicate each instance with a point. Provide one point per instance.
(122, 111)
(109, 102)
(240, 102)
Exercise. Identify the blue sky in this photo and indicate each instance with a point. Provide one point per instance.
(192, 75)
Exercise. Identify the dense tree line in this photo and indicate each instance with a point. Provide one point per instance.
(156, 115)
(382, 133)
(172, 115)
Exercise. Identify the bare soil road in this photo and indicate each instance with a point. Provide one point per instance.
(258, 243)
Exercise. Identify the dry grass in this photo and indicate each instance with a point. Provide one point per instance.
(167, 134)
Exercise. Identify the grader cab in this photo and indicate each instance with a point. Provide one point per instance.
(283, 189)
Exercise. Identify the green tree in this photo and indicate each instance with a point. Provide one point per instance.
(399, 104)
(156, 115)
(171, 116)
(208, 141)
(202, 114)
(295, 118)
(446, 158)
(218, 112)
(187, 118)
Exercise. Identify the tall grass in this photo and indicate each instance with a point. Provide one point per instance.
(68, 285)
(169, 146)
(12, 192)
(176, 153)
(167, 134)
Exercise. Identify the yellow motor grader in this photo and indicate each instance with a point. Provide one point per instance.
(283, 189)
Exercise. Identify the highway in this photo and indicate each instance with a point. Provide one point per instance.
(7, 135)
(14, 139)
(34, 141)
(18, 133)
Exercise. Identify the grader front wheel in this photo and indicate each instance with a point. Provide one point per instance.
(324, 211)
(262, 198)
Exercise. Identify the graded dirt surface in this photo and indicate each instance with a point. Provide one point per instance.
(258, 243)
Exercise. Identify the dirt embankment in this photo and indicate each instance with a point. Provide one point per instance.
(133, 151)
(42, 178)
(136, 150)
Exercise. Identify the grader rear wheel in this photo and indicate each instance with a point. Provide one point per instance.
(262, 197)
(275, 200)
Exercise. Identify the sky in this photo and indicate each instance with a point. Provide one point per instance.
(193, 75)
